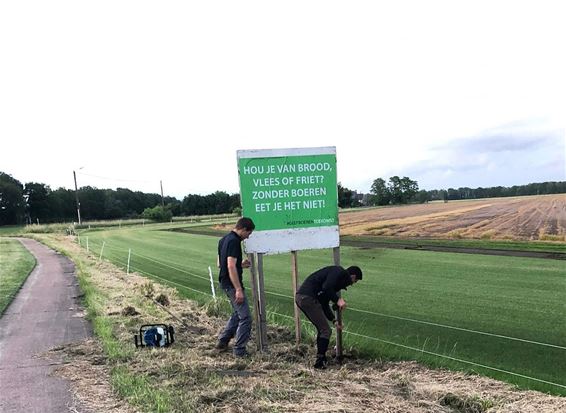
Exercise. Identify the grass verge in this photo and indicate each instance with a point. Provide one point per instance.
(16, 263)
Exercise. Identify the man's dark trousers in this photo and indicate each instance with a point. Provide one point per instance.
(311, 307)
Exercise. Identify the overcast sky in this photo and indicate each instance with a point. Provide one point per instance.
(449, 93)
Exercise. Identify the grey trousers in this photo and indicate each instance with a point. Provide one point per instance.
(239, 325)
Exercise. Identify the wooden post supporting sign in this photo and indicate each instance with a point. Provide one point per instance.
(339, 354)
(336, 254)
(295, 276)
(261, 300)
(255, 301)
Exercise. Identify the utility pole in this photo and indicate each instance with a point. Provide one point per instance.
(162, 203)
(77, 198)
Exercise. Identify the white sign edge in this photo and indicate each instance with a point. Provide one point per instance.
(272, 153)
(296, 239)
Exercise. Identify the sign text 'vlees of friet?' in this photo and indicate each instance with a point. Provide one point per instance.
(290, 189)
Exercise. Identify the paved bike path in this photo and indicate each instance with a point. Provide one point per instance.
(45, 313)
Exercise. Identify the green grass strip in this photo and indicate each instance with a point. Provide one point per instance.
(16, 263)
(139, 391)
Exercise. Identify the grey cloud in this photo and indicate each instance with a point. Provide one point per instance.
(452, 162)
(507, 155)
(506, 139)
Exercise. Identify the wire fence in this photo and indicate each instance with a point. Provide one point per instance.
(467, 330)
(163, 264)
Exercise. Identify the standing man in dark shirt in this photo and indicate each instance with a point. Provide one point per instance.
(314, 296)
(231, 267)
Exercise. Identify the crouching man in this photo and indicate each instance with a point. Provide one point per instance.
(314, 296)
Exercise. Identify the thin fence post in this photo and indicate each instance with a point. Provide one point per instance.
(129, 256)
(101, 250)
(87, 249)
(295, 276)
(211, 283)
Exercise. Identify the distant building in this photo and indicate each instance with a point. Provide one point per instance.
(360, 198)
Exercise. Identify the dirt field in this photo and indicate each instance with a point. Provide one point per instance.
(518, 218)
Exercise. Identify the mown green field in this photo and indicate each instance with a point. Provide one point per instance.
(498, 316)
(8, 230)
(15, 265)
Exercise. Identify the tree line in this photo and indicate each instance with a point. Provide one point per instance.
(405, 190)
(36, 202)
(542, 188)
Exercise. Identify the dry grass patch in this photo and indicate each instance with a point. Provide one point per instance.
(85, 366)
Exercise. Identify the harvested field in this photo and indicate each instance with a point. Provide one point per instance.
(519, 218)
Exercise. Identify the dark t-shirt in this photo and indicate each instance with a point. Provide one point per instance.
(229, 246)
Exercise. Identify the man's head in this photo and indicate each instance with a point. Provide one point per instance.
(244, 227)
(355, 272)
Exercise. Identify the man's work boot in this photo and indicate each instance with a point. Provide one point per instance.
(242, 355)
(221, 346)
(320, 362)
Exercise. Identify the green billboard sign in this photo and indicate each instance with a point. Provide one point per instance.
(289, 189)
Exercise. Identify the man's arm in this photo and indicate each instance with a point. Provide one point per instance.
(327, 311)
(233, 274)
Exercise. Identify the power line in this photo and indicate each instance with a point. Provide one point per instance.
(170, 282)
(382, 314)
(456, 359)
(442, 325)
(170, 266)
(157, 262)
(441, 355)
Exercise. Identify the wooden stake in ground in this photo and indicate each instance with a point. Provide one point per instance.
(255, 300)
(295, 276)
(339, 355)
(261, 296)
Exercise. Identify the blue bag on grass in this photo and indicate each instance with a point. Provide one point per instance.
(155, 335)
